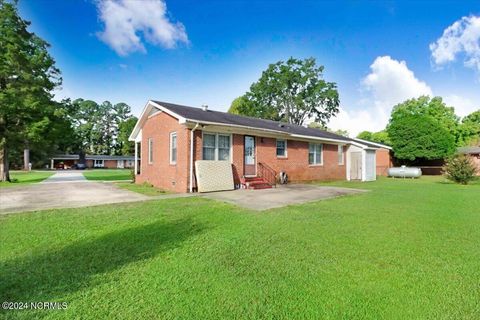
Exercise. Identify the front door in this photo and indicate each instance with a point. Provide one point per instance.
(249, 151)
(356, 166)
(120, 164)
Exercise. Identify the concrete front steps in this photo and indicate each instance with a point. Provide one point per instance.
(256, 183)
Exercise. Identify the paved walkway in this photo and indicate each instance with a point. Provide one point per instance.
(67, 189)
(66, 176)
(280, 196)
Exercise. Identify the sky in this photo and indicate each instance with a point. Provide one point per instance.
(210, 52)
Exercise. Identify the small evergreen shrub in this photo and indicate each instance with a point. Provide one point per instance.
(459, 169)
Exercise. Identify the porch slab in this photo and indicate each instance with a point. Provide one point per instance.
(281, 196)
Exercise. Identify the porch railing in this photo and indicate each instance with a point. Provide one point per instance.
(267, 173)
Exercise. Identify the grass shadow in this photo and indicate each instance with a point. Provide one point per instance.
(55, 273)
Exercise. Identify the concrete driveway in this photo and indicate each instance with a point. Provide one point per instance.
(67, 189)
(281, 196)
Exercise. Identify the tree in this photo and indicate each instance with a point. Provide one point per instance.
(434, 108)
(420, 137)
(291, 91)
(125, 128)
(380, 137)
(97, 126)
(423, 128)
(469, 130)
(27, 77)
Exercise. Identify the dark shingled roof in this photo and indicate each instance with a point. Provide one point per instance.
(200, 115)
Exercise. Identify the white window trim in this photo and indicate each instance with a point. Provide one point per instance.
(96, 165)
(315, 164)
(216, 134)
(150, 150)
(342, 162)
(276, 147)
(173, 134)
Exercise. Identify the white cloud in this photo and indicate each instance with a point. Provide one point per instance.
(388, 83)
(126, 20)
(463, 106)
(462, 37)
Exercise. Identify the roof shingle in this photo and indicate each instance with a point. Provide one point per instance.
(197, 114)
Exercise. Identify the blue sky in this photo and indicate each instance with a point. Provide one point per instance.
(209, 52)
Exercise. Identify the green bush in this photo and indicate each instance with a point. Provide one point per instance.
(132, 175)
(459, 169)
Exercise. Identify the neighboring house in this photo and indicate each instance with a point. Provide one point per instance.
(383, 159)
(474, 154)
(67, 161)
(172, 137)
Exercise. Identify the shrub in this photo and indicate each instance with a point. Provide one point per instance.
(459, 169)
(132, 175)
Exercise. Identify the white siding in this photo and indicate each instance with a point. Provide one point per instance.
(370, 172)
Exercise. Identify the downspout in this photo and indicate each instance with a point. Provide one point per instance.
(192, 132)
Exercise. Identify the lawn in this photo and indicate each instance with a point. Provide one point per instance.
(108, 174)
(26, 177)
(409, 249)
(145, 188)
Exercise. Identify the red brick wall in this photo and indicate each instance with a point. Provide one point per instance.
(176, 177)
(110, 164)
(161, 173)
(295, 164)
(384, 161)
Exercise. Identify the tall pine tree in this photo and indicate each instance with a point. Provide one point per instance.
(27, 78)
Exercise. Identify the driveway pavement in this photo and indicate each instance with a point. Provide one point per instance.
(281, 196)
(63, 190)
(65, 176)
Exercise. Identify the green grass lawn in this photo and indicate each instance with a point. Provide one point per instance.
(107, 174)
(145, 188)
(409, 249)
(26, 177)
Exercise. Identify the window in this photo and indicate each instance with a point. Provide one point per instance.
(216, 146)
(173, 148)
(150, 150)
(223, 147)
(281, 148)
(340, 155)
(98, 163)
(209, 146)
(315, 153)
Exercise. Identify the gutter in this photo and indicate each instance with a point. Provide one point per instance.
(192, 132)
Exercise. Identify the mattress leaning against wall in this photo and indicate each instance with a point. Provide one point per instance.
(214, 175)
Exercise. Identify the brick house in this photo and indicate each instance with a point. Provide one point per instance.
(170, 138)
(67, 161)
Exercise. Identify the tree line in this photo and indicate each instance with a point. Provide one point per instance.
(31, 119)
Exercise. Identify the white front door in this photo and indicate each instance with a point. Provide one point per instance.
(120, 164)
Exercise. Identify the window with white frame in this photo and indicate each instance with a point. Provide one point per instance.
(315, 153)
(173, 148)
(216, 146)
(150, 150)
(98, 163)
(340, 155)
(281, 148)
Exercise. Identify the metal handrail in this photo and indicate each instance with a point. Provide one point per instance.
(268, 174)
